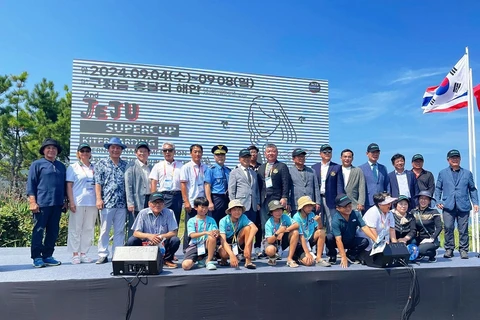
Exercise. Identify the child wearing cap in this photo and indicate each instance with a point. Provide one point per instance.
(279, 234)
(203, 233)
(236, 234)
(311, 233)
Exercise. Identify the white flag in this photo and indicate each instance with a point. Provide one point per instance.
(452, 93)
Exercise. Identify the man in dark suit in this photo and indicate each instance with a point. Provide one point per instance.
(376, 176)
(454, 190)
(330, 180)
(274, 182)
(403, 182)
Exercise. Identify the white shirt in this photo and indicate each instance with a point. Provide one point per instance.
(402, 183)
(374, 218)
(194, 176)
(145, 169)
(83, 184)
(346, 174)
(167, 174)
(323, 176)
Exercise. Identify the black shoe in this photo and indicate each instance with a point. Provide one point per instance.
(464, 254)
(353, 259)
(432, 259)
(102, 260)
(332, 260)
(448, 253)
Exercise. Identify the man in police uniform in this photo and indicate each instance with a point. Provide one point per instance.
(216, 183)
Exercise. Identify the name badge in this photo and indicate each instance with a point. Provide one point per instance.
(90, 185)
(235, 248)
(279, 250)
(308, 246)
(168, 184)
(201, 248)
(268, 182)
(200, 181)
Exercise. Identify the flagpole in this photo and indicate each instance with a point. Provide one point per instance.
(474, 158)
(470, 149)
(471, 154)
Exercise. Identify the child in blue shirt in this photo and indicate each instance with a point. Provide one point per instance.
(311, 233)
(236, 234)
(280, 234)
(203, 233)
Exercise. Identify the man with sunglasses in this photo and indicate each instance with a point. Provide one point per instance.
(165, 177)
(330, 179)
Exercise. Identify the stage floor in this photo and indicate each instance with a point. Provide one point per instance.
(447, 289)
(16, 266)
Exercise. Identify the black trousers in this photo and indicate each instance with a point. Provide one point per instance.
(45, 231)
(354, 247)
(220, 202)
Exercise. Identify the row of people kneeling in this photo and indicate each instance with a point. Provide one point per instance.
(232, 241)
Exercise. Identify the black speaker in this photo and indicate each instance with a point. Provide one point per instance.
(144, 260)
(394, 255)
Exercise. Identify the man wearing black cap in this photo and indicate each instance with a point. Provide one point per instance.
(454, 190)
(216, 183)
(345, 223)
(156, 225)
(330, 179)
(137, 183)
(243, 186)
(425, 179)
(376, 175)
(304, 181)
(46, 194)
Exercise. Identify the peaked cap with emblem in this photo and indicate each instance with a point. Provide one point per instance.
(219, 149)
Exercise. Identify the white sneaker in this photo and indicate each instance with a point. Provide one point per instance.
(76, 260)
(85, 259)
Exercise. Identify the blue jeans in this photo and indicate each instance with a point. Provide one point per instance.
(46, 223)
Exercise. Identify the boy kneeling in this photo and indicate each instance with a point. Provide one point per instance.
(311, 233)
(203, 233)
(279, 234)
(236, 234)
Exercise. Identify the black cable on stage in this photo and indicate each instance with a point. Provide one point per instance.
(413, 294)
(132, 288)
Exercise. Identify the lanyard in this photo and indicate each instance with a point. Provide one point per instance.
(82, 165)
(234, 240)
(202, 238)
(305, 227)
(165, 168)
(269, 171)
(200, 171)
(382, 219)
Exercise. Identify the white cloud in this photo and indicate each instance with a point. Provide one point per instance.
(409, 75)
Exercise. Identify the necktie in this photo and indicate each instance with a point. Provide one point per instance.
(375, 171)
(248, 177)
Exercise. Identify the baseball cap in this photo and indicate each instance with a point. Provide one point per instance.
(342, 200)
(156, 196)
(453, 153)
(298, 151)
(418, 156)
(372, 147)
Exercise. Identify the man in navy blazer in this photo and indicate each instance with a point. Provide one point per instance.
(330, 180)
(403, 182)
(376, 176)
(454, 191)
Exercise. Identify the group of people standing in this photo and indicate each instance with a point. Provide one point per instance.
(255, 210)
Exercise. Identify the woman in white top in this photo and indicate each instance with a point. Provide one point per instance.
(82, 205)
(380, 219)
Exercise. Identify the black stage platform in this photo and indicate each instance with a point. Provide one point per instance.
(447, 290)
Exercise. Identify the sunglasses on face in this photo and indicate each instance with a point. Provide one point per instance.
(327, 151)
(167, 150)
(85, 151)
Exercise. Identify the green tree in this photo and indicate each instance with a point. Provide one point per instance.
(50, 118)
(13, 118)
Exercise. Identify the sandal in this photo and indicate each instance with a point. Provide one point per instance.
(211, 266)
(272, 262)
(250, 266)
(292, 264)
(223, 263)
(76, 260)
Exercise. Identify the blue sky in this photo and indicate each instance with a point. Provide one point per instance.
(378, 56)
